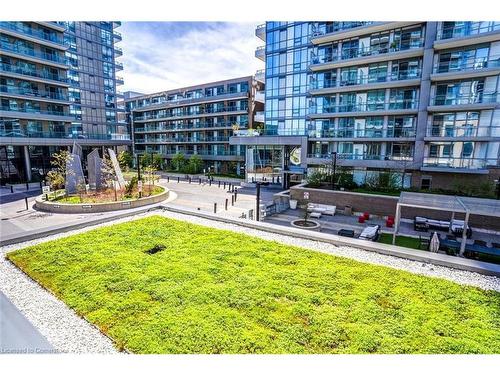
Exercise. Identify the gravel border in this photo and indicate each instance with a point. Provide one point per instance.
(69, 333)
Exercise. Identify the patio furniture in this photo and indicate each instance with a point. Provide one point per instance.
(370, 233)
(457, 228)
(480, 243)
(451, 237)
(361, 219)
(346, 233)
(324, 209)
(315, 215)
(424, 224)
(366, 215)
(389, 223)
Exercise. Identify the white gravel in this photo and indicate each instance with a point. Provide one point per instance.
(69, 333)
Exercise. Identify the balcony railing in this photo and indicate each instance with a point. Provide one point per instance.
(118, 65)
(365, 107)
(181, 139)
(201, 112)
(30, 52)
(337, 26)
(363, 133)
(464, 131)
(118, 51)
(191, 152)
(464, 163)
(182, 127)
(365, 156)
(466, 29)
(117, 35)
(34, 110)
(119, 80)
(459, 66)
(36, 33)
(365, 79)
(36, 94)
(478, 98)
(356, 52)
(61, 135)
(27, 72)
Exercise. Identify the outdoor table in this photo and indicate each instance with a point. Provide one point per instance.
(346, 232)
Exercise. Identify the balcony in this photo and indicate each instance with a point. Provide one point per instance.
(480, 67)
(260, 96)
(362, 156)
(369, 134)
(401, 78)
(466, 33)
(354, 109)
(469, 132)
(478, 101)
(260, 75)
(365, 55)
(118, 51)
(61, 135)
(260, 32)
(118, 66)
(260, 53)
(465, 165)
(259, 116)
(182, 140)
(46, 58)
(184, 127)
(36, 35)
(119, 80)
(55, 25)
(32, 94)
(42, 75)
(202, 112)
(34, 113)
(117, 36)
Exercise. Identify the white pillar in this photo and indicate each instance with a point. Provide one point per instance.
(27, 163)
(396, 224)
(464, 234)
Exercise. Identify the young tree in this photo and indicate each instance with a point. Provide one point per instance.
(178, 162)
(195, 163)
(57, 176)
(158, 161)
(125, 159)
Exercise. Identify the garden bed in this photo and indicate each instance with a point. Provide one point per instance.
(204, 290)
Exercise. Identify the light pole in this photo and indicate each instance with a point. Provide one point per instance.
(498, 188)
(138, 167)
(334, 162)
(257, 204)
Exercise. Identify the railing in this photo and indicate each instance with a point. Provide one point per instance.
(40, 74)
(182, 127)
(30, 52)
(117, 35)
(118, 65)
(61, 135)
(28, 92)
(260, 28)
(119, 80)
(190, 152)
(337, 26)
(476, 64)
(260, 51)
(36, 33)
(182, 139)
(365, 79)
(478, 98)
(118, 51)
(358, 156)
(356, 52)
(365, 107)
(464, 131)
(34, 110)
(466, 29)
(466, 163)
(148, 116)
(363, 133)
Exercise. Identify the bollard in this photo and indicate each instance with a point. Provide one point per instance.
(232, 200)
(26, 202)
(199, 180)
(41, 185)
(47, 197)
(210, 182)
(11, 188)
(219, 183)
(235, 194)
(215, 208)
(224, 185)
(189, 179)
(178, 179)
(168, 179)
(27, 186)
(227, 200)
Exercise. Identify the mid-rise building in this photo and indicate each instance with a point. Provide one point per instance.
(197, 120)
(57, 86)
(416, 97)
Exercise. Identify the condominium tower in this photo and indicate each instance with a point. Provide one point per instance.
(58, 86)
(419, 97)
(198, 120)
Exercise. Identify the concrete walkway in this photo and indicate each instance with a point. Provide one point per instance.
(17, 334)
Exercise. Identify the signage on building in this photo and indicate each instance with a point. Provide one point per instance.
(139, 186)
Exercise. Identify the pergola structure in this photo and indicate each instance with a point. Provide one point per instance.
(465, 205)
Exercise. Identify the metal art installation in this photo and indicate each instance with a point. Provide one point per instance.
(94, 168)
(116, 166)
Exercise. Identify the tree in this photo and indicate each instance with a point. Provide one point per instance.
(57, 176)
(108, 171)
(178, 162)
(125, 159)
(158, 161)
(195, 163)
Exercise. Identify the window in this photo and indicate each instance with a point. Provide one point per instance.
(426, 183)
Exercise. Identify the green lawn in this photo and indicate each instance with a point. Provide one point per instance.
(404, 241)
(214, 291)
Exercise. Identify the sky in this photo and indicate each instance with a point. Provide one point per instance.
(159, 56)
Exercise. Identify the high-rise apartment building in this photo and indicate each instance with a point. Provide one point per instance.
(198, 120)
(418, 97)
(57, 86)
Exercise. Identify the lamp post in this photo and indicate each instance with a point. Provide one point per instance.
(138, 167)
(498, 188)
(257, 204)
(334, 162)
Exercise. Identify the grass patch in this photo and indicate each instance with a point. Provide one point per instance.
(404, 241)
(107, 196)
(215, 291)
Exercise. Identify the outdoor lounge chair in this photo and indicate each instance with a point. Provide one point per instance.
(370, 233)
(324, 209)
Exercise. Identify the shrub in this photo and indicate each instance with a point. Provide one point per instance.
(315, 178)
(125, 159)
(131, 186)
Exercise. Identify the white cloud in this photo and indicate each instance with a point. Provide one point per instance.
(156, 61)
